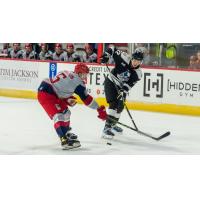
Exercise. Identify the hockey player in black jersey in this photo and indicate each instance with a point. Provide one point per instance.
(124, 76)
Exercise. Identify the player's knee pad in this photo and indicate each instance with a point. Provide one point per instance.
(62, 122)
(63, 117)
(67, 114)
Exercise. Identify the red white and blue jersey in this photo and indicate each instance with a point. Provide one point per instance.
(65, 84)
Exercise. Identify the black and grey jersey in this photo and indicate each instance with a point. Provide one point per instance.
(123, 74)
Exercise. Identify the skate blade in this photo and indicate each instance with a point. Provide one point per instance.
(66, 147)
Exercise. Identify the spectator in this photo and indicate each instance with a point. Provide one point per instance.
(51, 47)
(29, 53)
(5, 52)
(140, 47)
(195, 61)
(70, 55)
(36, 48)
(198, 57)
(169, 58)
(16, 51)
(150, 57)
(94, 47)
(58, 54)
(89, 56)
(184, 51)
(45, 53)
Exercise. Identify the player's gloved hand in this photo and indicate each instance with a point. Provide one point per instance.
(123, 92)
(121, 95)
(104, 58)
(71, 101)
(102, 112)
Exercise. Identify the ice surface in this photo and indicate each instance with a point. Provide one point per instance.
(26, 129)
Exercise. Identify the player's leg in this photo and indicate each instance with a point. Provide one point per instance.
(111, 98)
(115, 108)
(120, 107)
(61, 123)
(58, 111)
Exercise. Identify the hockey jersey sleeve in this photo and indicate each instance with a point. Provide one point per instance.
(118, 55)
(85, 97)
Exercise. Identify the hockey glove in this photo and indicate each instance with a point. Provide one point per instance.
(102, 112)
(104, 58)
(123, 92)
(71, 101)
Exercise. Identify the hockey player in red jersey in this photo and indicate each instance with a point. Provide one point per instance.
(56, 94)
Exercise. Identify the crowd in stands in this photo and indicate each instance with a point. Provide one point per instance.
(170, 55)
(158, 54)
(50, 51)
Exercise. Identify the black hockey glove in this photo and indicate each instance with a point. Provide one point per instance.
(123, 92)
(121, 95)
(104, 58)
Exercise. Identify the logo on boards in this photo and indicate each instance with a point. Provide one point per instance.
(153, 85)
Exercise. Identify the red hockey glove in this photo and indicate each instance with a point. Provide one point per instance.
(71, 101)
(102, 112)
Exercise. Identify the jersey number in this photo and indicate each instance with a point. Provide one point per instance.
(61, 76)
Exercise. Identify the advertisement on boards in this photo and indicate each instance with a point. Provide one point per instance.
(20, 74)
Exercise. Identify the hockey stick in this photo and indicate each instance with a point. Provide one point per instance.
(136, 128)
(141, 132)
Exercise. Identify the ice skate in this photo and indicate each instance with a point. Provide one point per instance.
(118, 130)
(108, 133)
(71, 136)
(69, 141)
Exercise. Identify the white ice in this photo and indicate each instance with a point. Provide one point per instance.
(26, 129)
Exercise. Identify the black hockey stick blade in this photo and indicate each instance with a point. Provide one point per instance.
(143, 133)
(152, 137)
(163, 136)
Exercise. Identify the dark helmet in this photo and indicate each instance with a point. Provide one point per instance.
(138, 55)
